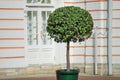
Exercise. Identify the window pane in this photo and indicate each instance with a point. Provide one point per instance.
(45, 39)
(39, 1)
(29, 27)
(48, 13)
(43, 15)
(48, 1)
(43, 1)
(29, 1)
(32, 27)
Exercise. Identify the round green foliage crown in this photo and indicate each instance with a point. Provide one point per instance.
(70, 23)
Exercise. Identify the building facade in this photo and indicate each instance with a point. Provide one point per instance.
(24, 40)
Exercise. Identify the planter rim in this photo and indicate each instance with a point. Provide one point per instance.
(65, 71)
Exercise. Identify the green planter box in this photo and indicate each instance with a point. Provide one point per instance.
(67, 75)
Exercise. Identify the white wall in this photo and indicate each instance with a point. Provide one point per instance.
(12, 34)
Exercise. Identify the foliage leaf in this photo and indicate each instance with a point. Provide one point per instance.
(70, 23)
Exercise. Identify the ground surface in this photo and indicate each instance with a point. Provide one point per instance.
(54, 78)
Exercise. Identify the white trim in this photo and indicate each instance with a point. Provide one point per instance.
(40, 5)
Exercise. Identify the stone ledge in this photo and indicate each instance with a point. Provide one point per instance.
(51, 69)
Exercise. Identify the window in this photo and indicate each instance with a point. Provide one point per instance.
(37, 21)
(40, 47)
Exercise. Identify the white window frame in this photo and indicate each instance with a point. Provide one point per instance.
(35, 52)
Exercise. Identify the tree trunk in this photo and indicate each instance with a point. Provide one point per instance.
(67, 56)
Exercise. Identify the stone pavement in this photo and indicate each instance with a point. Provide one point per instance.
(54, 78)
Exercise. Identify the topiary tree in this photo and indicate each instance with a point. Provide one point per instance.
(69, 23)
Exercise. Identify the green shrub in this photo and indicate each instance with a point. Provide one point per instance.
(70, 24)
